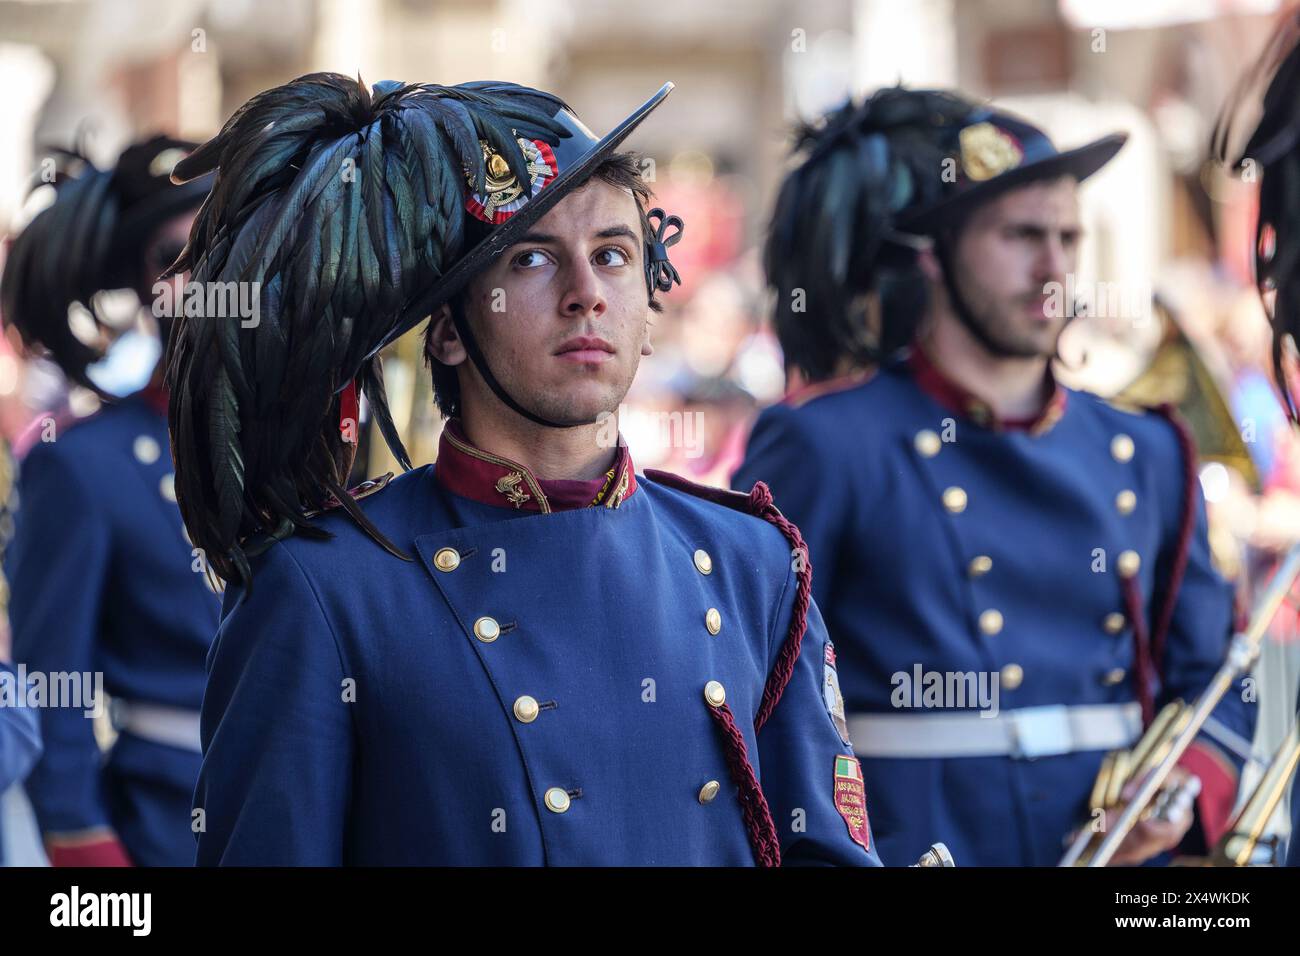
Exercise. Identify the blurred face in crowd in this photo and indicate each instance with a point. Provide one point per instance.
(164, 245)
(1011, 260)
(562, 316)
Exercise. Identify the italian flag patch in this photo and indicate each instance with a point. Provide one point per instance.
(851, 799)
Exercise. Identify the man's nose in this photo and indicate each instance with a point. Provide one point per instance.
(1054, 258)
(583, 294)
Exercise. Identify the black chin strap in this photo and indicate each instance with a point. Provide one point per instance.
(943, 253)
(480, 362)
(660, 275)
(959, 307)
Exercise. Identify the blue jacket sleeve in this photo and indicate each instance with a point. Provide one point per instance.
(20, 735)
(58, 564)
(277, 729)
(786, 453)
(811, 779)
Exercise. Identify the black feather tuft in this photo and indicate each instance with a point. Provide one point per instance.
(340, 203)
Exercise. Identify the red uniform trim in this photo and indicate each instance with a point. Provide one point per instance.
(469, 471)
(1187, 522)
(1218, 788)
(957, 399)
(802, 394)
(97, 847)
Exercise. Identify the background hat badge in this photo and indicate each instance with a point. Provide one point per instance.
(987, 151)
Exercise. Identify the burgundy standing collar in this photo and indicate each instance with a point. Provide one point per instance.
(469, 471)
(956, 398)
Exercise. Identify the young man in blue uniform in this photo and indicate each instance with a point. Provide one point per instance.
(1015, 574)
(103, 580)
(526, 653)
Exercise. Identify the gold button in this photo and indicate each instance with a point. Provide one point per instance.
(526, 709)
(991, 622)
(1121, 448)
(713, 620)
(1113, 677)
(954, 499)
(167, 486)
(715, 694)
(979, 413)
(1012, 675)
(487, 630)
(447, 559)
(927, 443)
(980, 564)
(146, 450)
(1128, 564)
(557, 801)
(1114, 622)
(703, 563)
(1125, 502)
(709, 791)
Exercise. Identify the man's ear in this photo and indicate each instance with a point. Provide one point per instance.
(443, 342)
(646, 347)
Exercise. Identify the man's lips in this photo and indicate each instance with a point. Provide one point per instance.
(585, 348)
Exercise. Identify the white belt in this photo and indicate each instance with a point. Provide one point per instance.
(173, 726)
(1024, 733)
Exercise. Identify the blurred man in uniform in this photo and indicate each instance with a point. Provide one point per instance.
(527, 653)
(102, 577)
(1015, 574)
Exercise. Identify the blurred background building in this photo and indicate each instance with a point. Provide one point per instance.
(1161, 220)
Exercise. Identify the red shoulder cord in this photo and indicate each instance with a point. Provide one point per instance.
(1149, 656)
(763, 836)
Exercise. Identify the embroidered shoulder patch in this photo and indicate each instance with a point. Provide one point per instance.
(831, 692)
(851, 799)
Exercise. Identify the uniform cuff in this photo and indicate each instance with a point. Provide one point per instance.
(1218, 794)
(97, 847)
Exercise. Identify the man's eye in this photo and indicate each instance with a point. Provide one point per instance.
(611, 256)
(530, 259)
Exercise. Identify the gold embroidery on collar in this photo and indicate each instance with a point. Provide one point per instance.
(600, 495)
(506, 463)
(620, 492)
(509, 486)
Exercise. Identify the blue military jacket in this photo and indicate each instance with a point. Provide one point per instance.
(530, 690)
(945, 542)
(103, 580)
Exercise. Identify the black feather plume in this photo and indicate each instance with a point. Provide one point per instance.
(339, 203)
(833, 238)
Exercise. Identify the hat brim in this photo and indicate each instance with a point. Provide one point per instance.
(1080, 163)
(506, 234)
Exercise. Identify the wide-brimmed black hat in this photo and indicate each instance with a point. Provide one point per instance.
(355, 213)
(875, 181)
(993, 151)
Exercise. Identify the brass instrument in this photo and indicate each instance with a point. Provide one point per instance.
(1244, 843)
(937, 855)
(1172, 732)
(1176, 374)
